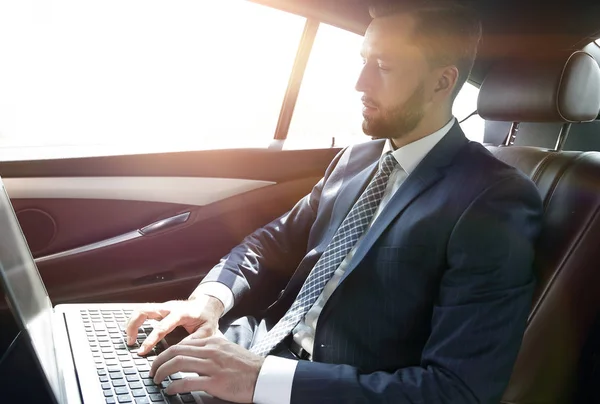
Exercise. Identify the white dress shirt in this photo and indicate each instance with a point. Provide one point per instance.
(274, 384)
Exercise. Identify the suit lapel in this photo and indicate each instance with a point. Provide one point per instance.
(425, 175)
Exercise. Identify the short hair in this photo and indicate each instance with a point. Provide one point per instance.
(448, 33)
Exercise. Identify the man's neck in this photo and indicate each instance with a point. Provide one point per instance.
(426, 127)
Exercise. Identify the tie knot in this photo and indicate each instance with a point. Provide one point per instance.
(388, 163)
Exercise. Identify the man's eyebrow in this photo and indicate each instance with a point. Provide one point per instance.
(375, 55)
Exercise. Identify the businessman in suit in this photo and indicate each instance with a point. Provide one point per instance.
(408, 266)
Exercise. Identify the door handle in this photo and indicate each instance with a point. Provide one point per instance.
(165, 224)
(147, 230)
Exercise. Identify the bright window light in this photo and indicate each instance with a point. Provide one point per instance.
(81, 77)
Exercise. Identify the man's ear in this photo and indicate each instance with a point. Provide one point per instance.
(447, 78)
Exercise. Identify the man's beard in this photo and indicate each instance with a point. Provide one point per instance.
(399, 121)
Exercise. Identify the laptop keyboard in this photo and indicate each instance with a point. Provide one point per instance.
(123, 374)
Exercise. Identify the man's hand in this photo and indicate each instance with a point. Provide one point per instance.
(225, 369)
(199, 316)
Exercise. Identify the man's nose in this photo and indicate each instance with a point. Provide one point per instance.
(364, 84)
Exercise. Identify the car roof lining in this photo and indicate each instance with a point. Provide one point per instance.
(511, 27)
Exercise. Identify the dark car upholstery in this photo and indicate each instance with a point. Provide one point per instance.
(566, 302)
(583, 136)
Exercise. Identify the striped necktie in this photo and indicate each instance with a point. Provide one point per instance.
(349, 232)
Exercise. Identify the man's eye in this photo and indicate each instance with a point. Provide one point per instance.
(383, 67)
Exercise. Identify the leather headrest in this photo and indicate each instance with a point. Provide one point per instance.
(562, 88)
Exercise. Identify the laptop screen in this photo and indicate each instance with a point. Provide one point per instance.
(25, 290)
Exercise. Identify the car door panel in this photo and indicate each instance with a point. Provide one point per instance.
(55, 225)
(180, 190)
(227, 194)
(182, 254)
(251, 164)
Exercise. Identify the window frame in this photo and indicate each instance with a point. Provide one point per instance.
(307, 40)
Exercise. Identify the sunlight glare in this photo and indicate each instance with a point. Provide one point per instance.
(142, 75)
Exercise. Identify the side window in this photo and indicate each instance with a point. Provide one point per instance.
(328, 109)
(113, 77)
(464, 105)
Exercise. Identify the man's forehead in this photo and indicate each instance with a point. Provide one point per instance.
(389, 36)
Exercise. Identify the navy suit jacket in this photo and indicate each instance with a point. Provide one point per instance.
(433, 305)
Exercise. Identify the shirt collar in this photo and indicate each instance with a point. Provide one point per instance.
(410, 156)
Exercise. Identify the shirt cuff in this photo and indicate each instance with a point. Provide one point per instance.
(218, 291)
(274, 383)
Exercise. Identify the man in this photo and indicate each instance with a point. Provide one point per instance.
(409, 263)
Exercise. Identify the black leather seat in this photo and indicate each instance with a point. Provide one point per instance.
(567, 300)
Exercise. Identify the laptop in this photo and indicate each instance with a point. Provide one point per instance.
(79, 349)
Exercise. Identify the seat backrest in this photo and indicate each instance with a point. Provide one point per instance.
(566, 300)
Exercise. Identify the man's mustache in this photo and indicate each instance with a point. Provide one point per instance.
(369, 102)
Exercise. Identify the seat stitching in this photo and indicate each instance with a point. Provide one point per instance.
(541, 167)
(574, 244)
(557, 179)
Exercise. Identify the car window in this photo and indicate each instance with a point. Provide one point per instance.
(328, 110)
(464, 105)
(112, 77)
(328, 107)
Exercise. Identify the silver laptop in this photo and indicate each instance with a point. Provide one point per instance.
(80, 348)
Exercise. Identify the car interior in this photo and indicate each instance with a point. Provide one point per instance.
(148, 227)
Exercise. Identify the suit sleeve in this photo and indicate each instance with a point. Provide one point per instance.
(478, 319)
(273, 251)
